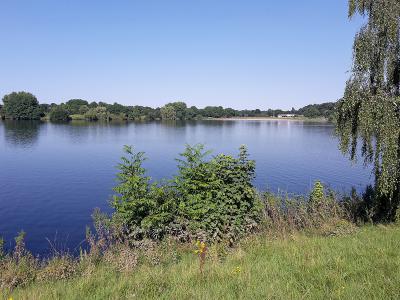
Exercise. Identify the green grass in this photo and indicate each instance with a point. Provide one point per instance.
(363, 265)
(77, 117)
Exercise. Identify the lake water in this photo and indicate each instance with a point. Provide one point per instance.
(52, 176)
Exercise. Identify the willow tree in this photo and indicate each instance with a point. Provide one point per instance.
(369, 112)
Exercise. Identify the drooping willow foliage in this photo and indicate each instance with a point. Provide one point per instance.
(369, 112)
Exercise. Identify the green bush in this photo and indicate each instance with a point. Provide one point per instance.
(145, 208)
(58, 113)
(213, 200)
(217, 197)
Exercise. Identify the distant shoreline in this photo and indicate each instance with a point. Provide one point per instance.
(322, 120)
(304, 119)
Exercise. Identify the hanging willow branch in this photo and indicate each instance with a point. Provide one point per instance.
(369, 112)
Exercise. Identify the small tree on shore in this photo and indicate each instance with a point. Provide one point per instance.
(21, 106)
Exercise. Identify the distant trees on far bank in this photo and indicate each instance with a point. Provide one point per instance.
(318, 110)
(21, 106)
(25, 106)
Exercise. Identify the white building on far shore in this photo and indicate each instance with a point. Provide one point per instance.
(287, 115)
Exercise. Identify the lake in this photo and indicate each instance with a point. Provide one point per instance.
(52, 176)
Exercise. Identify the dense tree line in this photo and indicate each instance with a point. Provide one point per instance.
(22, 106)
(318, 110)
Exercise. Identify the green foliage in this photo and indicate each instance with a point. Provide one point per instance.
(325, 110)
(73, 106)
(168, 112)
(369, 111)
(217, 196)
(171, 111)
(117, 109)
(97, 113)
(59, 113)
(213, 111)
(145, 208)
(21, 106)
(83, 109)
(317, 193)
(213, 199)
(174, 111)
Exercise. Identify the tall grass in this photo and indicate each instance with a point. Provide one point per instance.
(363, 265)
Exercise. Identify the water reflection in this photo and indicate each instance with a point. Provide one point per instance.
(58, 172)
(23, 134)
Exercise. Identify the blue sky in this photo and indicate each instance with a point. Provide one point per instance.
(241, 54)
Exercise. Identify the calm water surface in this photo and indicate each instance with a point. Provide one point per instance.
(53, 175)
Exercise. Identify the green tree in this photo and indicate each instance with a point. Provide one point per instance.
(116, 108)
(213, 111)
(97, 113)
(83, 109)
(73, 105)
(180, 109)
(229, 112)
(174, 111)
(191, 113)
(168, 112)
(59, 113)
(370, 109)
(92, 104)
(311, 112)
(2, 114)
(21, 106)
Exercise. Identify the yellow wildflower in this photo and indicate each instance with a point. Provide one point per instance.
(237, 270)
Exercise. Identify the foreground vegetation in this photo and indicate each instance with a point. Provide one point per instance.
(247, 243)
(362, 265)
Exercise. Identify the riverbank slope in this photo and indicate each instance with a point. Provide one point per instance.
(361, 265)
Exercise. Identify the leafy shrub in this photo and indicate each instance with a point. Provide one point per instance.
(145, 208)
(217, 197)
(213, 200)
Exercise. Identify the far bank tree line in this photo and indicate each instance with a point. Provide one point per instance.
(25, 106)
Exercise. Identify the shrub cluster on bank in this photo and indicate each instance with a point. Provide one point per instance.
(210, 200)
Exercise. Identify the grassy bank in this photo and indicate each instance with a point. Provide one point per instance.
(361, 265)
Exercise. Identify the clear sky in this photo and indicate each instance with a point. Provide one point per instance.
(240, 54)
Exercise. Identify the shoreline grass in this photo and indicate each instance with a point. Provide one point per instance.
(361, 265)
